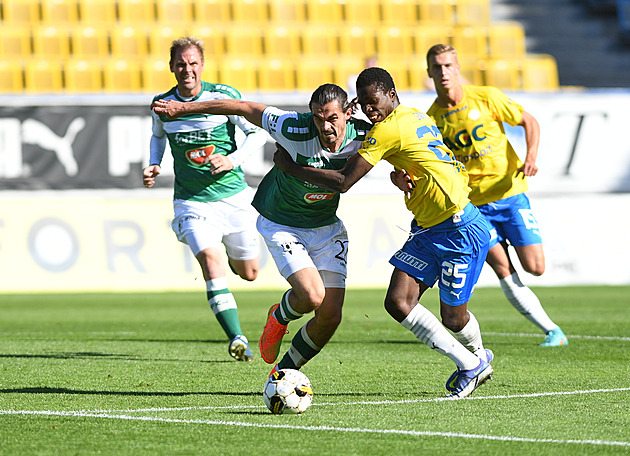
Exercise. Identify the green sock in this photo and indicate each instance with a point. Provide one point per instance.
(285, 313)
(223, 305)
(302, 350)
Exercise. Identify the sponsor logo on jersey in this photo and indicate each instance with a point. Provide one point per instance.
(200, 157)
(314, 197)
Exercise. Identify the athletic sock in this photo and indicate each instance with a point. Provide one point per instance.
(428, 329)
(223, 305)
(285, 313)
(470, 337)
(526, 302)
(301, 351)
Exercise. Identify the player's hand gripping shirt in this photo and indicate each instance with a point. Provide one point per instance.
(288, 200)
(194, 137)
(409, 140)
(473, 130)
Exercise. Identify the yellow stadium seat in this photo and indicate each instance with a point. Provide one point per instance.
(128, 41)
(287, 12)
(394, 41)
(83, 75)
(244, 41)
(121, 75)
(276, 75)
(345, 68)
(253, 12)
(20, 12)
(398, 68)
(471, 42)
(14, 43)
(502, 73)
(139, 12)
(400, 12)
(43, 76)
(319, 40)
(58, 12)
(539, 72)
(89, 41)
(161, 38)
(328, 12)
(239, 73)
(212, 38)
(472, 12)
(357, 41)
(312, 72)
(11, 76)
(428, 35)
(174, 11)
(506, 40)
(214, 12)
(362, 12)
(282, 41)
(97, 12)
(436, 12)
(51, 42)
(157, 76)
(471, 70)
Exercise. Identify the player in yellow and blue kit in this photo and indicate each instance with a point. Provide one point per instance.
(449, 237)
(470, 119)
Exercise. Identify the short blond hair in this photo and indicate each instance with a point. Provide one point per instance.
(438, 49)
(186, 42)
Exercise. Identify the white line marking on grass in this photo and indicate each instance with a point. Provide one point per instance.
(570, 336)
(329, 428)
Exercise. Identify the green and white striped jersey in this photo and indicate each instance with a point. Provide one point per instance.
(293, 202)
(194, 137)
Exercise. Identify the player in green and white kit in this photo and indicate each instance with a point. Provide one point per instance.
(212, 202)
(298, 220)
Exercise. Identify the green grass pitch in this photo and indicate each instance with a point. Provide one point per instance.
(149, 374)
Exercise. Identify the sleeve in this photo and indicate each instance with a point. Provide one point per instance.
(254, 140)
(157, 144)
(504, 108)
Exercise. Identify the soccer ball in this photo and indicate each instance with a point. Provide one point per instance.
(288, 391)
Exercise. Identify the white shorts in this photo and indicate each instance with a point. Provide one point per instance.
(230, 221)
(293, 249)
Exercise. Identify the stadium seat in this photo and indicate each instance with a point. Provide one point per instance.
(503, 74)
(471, 42)
(394, 41)
(83, 75)
(276, 75)
(20, 12)
(287, 12)
(539, 72)
(428, 35)
(313, 72)
(136, 12)
(121, 75)
(97, 12)
(244, 41)
(51, 42)
(506, 40)
(214, 12)
(14, 43)
(282, 41)
(362, 12)
(60, 12)
(246, 12)
(623, 19)
(11, 76)
(329, 12)
(436, 13)
(397, 67)
(213, 38)
(345, 68)
(43, 76)
(472, 70)
(357, 41)
(161, 38)
(472, 12)
(156, 76)
(400, 12)
(128, 42)
(239, 73)
(89, 41)
(174, 12)
(319, 40)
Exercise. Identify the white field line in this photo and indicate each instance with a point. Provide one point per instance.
(569, 336)
(116, 415)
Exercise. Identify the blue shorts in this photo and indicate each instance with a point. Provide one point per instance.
(452, 252)
(512, 220)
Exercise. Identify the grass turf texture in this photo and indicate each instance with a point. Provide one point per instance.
(103, 358)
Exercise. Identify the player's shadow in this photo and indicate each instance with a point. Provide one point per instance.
(49, 390)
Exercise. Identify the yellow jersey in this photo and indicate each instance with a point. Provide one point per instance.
(473, 130)
(409, 140)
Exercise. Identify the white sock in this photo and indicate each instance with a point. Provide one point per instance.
(526, 302)
(470, 337)
(428, 329)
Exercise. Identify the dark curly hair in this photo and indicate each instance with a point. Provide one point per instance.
(376, 76)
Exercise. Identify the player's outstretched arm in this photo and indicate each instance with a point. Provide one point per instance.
(248, 109)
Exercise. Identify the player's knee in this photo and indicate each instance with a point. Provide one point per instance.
(311, 297)
(535, 268)
(249, 274)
